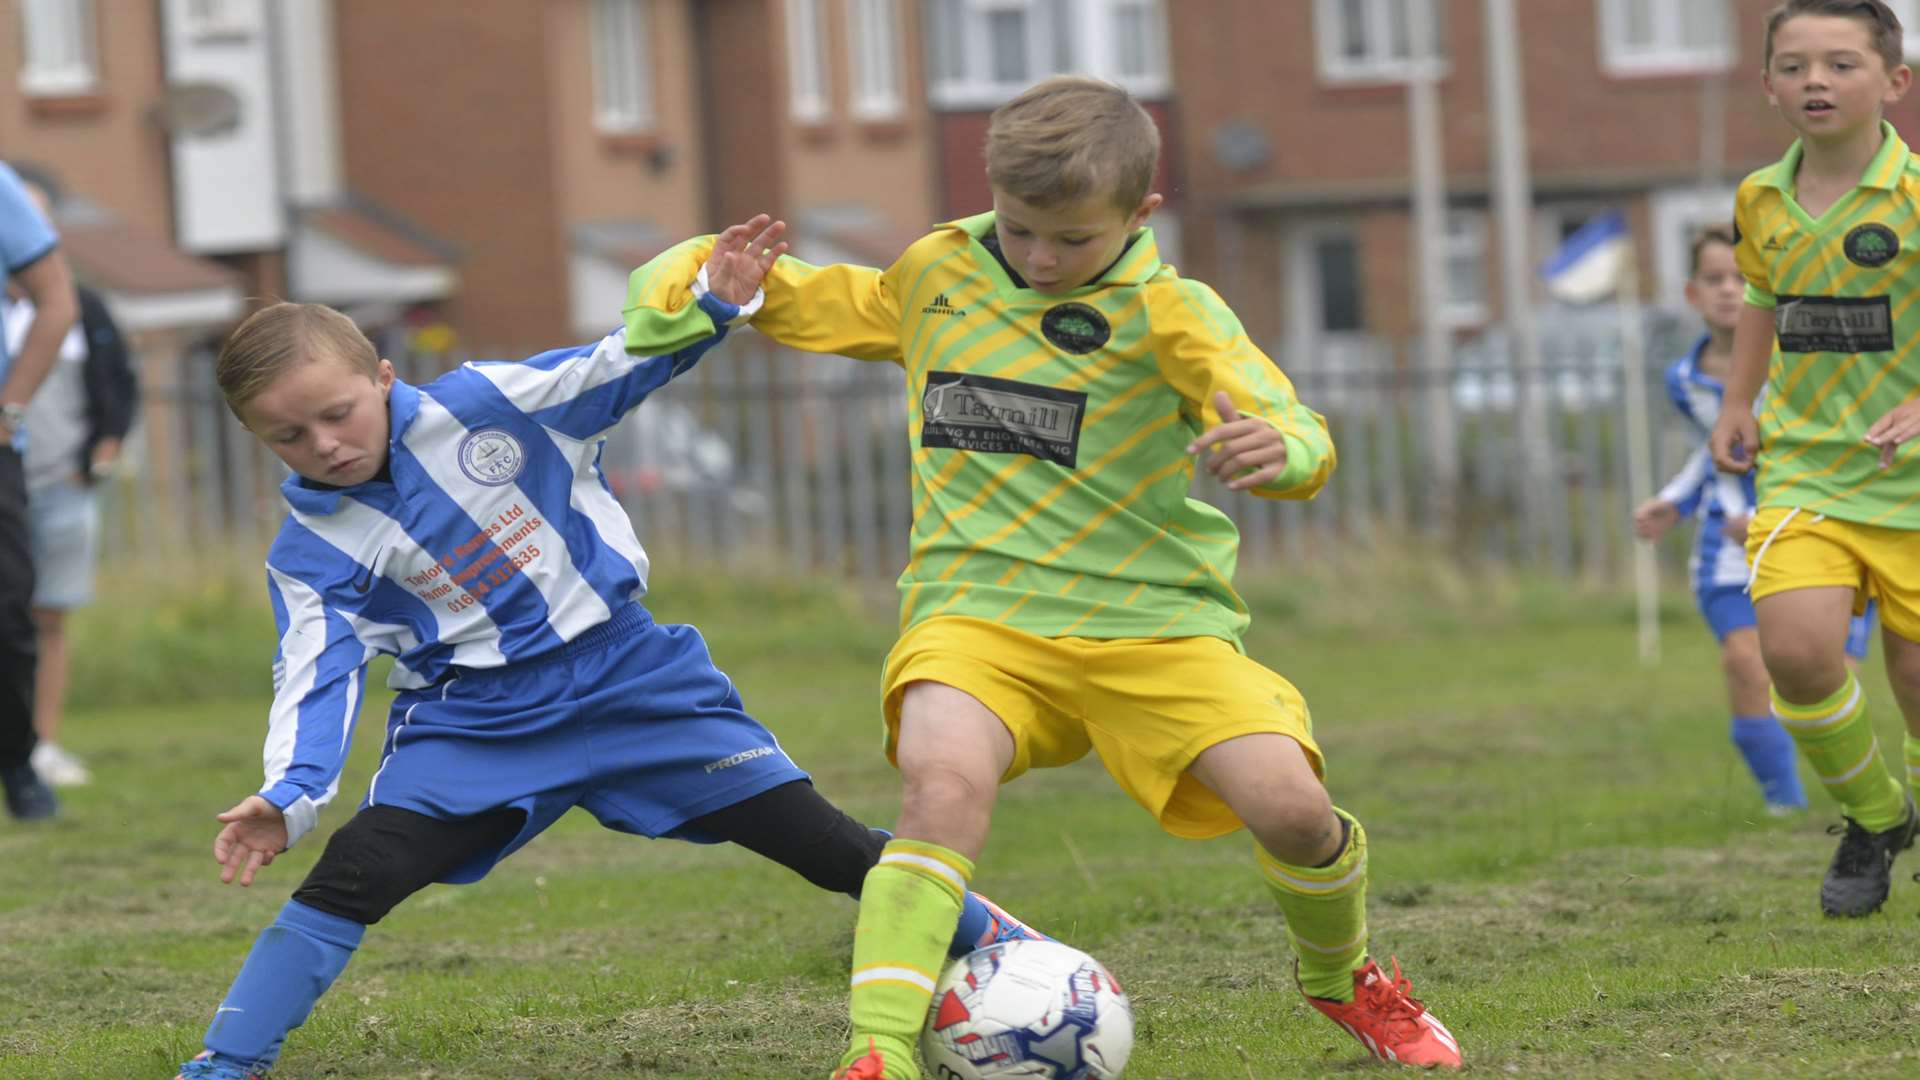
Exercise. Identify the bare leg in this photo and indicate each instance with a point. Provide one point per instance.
(50, 673)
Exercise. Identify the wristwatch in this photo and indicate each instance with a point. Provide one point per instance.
(13, 416)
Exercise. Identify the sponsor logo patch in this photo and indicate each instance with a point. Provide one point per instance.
(1842, 324)
(492, 457)
(986, 415)
(1871, 245)
(1075, 327)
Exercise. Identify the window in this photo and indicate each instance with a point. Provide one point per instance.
(875, 48)
(1139, 49)
(806, 60)
(1678, 214)
(1370, 40)
(622, 66)
(982, 52)
(1336, 269)
(1464, 249)
(58, 47)
(1662, 37)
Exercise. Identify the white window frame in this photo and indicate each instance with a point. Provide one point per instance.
(1465, 238)
(58, 47)
(1381, 64)
(223, 19)
(1103, 44)
(1667, 54)
(622, 49)
(960, 47)
(1678, 214)
(874, 49)
(809, 99)
(1909, 13)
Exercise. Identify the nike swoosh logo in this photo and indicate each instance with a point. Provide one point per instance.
(363, 583)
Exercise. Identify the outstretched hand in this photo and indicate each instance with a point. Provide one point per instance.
(255, 833)
(741, 257)
(1898, 426)
(1652, 519)
(1247, 451)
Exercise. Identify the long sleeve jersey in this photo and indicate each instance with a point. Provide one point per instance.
(495, 539)
(1050, 478)
(1700, 490)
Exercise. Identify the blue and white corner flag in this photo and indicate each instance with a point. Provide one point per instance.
(1591, 265)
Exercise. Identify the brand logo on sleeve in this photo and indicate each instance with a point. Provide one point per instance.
(941, 306)
(1872, 245)
(492, 457)
(986, 415)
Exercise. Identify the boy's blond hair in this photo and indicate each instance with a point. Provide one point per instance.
(1070, 137)
(280, 336)
(1883, 26)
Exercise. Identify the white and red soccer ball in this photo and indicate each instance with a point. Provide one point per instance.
(1033, 1010)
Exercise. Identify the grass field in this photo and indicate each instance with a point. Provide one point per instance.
(1567, 859)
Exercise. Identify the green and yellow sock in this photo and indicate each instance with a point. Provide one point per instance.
(1839, 743)
(909, 905)
(1326, 910)
(1913, 765)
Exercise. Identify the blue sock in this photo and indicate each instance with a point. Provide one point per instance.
(291, 965)
(974, 921)
(1771, 756)
(974, 917)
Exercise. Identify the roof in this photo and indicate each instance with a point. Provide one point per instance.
(115, 256)
(374, 237)
(626, 243)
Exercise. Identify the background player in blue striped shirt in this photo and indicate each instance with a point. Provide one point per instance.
(1722, 503)
(463, 528)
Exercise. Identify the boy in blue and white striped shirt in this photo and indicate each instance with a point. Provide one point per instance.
(1722, 503)
(464, 528)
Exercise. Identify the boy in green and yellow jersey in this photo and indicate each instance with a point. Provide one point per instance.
(1829, 242)
(1063, 593)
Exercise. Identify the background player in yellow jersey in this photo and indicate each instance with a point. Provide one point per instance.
(1829, 242)
(1064, 594)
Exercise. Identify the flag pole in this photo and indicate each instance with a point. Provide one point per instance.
(1633, 359)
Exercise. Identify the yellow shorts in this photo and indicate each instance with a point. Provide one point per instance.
(1149, 706)
(1808, 551)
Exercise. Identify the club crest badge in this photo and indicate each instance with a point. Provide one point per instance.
(1075, 327)
(1872, 245)
(492, 457)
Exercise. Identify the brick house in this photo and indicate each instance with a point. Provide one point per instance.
(1296, 147)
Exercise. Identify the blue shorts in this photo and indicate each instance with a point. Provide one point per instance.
(1727, 608)
(631, 720)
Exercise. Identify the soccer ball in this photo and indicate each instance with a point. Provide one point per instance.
(1035, 1010)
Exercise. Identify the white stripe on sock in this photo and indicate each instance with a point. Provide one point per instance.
(892, 974)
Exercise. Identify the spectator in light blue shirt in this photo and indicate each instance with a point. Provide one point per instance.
(31, 261)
